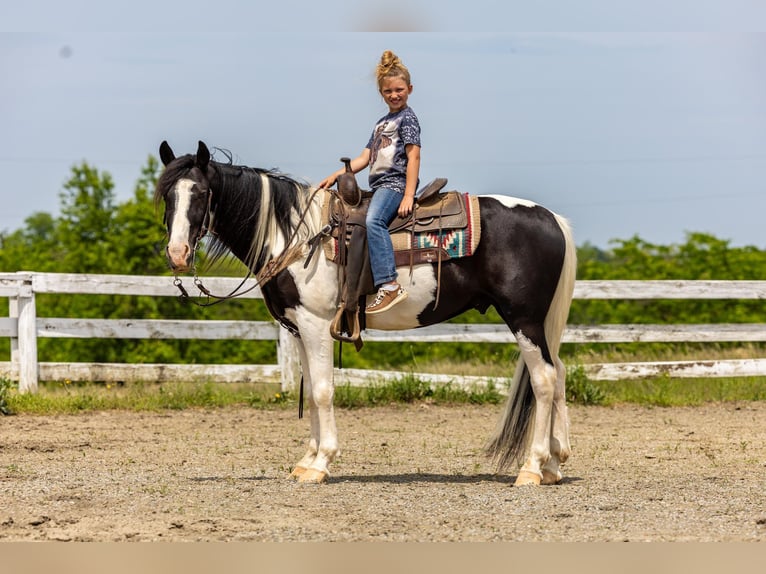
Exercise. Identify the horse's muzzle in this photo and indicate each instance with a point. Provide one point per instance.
(179, 257)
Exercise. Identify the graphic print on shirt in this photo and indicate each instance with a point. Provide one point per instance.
(380, 140)
(387, 145)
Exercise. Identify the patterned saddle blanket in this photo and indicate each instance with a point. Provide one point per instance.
(445, 226)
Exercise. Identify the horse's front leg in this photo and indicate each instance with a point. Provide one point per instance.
(308, 459)
(317, 362)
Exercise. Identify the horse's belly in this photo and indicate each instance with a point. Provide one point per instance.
(421, 290)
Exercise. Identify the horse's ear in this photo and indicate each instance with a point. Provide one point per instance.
(203, 156)
(166, 154)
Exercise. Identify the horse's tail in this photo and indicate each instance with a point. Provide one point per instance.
(558, 312)
(511, 437)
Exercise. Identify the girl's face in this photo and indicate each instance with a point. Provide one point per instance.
(395, 92)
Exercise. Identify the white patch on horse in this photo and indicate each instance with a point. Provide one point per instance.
(317, 286)
(543, 378)
(421, 290)
(178, 242)
(512, 202)
(266, 225)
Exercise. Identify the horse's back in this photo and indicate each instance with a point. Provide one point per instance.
(516, 266)
(521, 238)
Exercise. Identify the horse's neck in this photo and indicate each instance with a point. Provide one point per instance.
(258, 240)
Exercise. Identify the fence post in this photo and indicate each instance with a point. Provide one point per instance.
(288, 357)
(26, 351)
(13, 313)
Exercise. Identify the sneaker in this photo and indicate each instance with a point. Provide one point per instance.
(385, 299)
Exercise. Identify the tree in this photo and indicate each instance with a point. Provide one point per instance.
(86, 229)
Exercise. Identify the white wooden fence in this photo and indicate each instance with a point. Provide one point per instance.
(23, 326)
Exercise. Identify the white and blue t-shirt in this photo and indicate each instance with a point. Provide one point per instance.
(388, 158)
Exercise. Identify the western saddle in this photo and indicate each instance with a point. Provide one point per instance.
(433, 211)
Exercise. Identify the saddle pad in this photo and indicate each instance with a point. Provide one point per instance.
(461, 242)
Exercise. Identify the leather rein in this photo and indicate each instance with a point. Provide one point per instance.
(270, 270)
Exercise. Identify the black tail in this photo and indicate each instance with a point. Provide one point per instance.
(510, 440)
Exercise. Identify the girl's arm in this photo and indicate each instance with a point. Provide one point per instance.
(357, 165)
(413, 169)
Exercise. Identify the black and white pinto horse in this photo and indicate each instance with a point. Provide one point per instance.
(524, 265)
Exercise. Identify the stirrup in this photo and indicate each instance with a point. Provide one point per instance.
(336, 328)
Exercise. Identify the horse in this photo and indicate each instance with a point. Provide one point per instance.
(524, 266)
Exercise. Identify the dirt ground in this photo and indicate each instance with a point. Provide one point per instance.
(406, 473)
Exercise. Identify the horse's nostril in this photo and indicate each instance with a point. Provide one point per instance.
(178, 256)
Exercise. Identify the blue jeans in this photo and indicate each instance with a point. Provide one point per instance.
(383, 208)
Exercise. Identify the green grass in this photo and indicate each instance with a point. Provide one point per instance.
(666, 392)
(5, 391)
(410, 389)
(69, 398)
(581, 390)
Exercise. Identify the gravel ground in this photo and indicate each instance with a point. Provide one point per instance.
(406, 473)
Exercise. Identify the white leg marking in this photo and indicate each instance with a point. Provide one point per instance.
(560, 447)
(308, 458)
(317, 363)
(543, 380)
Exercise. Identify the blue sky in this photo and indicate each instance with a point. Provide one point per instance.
(625, 127)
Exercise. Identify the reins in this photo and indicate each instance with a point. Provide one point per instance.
(271, 269)
(178, 282)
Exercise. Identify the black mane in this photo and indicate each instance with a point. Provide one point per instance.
(237, 192)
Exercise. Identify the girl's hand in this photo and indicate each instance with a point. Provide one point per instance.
(357, 164)
(405, 207)
(329, 181)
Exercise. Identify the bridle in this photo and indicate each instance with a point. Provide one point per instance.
(288, 256)
(204, 229)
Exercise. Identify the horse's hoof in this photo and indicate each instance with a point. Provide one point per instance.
(298, 471)
(312, 476)
(550, 477)
(527, 478)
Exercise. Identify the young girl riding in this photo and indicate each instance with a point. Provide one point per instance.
(393, 154)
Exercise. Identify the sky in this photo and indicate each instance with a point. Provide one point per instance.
(626, 118)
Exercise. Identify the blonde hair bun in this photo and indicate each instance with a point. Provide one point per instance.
(391, 66)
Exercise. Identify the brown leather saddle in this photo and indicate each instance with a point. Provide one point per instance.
(433, 211)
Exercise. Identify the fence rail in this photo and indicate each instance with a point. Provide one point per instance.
(23, 327)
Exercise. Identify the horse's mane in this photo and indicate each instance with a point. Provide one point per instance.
(255, 205)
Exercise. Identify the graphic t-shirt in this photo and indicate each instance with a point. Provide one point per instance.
(388, 158)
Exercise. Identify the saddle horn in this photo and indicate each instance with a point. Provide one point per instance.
(347, 186)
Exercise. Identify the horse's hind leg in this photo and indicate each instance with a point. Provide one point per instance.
(560, 448)
(543, 378)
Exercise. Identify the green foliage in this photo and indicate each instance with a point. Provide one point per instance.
(702, 257)
(580, 390)
(411, 389)
(6, 387)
